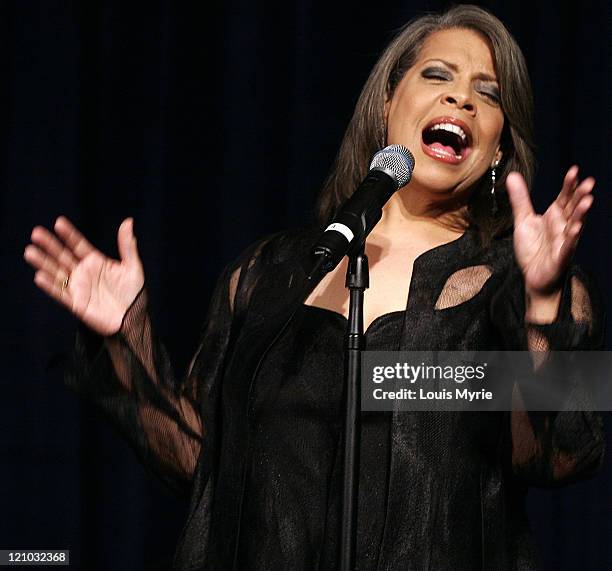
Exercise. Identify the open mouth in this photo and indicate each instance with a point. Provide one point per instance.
(446, 140)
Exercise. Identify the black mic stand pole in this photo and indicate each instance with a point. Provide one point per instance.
(357, 280)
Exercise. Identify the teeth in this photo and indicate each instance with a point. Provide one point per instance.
(442, 152)
(452, 129)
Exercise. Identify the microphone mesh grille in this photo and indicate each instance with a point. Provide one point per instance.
(396, 160)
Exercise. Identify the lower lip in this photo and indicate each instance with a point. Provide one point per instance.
(443, 157)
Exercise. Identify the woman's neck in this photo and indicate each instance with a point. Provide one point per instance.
(419, 216)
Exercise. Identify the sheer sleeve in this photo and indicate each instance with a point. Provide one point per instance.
(128, 376)
(552, 448)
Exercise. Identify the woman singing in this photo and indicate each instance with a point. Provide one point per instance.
(459, 261)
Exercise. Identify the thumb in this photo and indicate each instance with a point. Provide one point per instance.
(126, 241)
(518, 193)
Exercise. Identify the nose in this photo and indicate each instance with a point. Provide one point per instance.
(459, 100)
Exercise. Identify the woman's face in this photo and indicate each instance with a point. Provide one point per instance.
(446, 110)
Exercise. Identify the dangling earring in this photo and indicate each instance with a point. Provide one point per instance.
(493, 197)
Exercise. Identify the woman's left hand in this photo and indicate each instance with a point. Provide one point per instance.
(544, 244)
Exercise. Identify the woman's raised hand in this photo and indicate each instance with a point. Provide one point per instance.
(95, 288)
(544, 244)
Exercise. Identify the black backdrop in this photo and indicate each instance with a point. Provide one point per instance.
(212, 126)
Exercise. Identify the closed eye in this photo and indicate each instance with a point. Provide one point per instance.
(436, 73)
(492, 95)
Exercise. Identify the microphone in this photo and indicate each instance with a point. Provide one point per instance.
(391, 168)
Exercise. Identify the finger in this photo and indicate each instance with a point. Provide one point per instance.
(518, 194)
(53, 288)
(570, 243)
(126, 241)
(74, 240)
(557, 223)
(569, 185)
(40, 260)
(582, 190)
(580, 212)
(53, 248)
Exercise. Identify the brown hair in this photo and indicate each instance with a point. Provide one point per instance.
(366, 132)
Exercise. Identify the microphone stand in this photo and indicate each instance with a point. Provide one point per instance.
(390, 170)
(357, 280)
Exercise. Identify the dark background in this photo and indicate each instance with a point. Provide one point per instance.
(212, 126)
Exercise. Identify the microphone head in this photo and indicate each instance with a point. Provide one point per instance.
(397, 161)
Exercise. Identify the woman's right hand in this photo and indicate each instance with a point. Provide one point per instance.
(95, 288)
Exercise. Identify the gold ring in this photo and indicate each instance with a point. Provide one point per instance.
(65, 282)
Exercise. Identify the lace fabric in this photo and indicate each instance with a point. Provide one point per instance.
(129, 377)
(463, 285)
(194, 434)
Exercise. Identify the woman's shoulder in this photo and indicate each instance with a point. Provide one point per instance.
(270, 269)
(497, 253)
(280, 247)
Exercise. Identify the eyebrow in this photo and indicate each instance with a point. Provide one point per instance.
(455, 68)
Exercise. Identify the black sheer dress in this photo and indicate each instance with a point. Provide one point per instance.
(253, 431)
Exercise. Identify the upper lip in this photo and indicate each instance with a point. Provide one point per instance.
(454, 121)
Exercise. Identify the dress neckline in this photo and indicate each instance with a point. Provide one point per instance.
(417, 262)
(343, 318)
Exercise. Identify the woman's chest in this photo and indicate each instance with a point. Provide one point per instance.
(390, 275)
(405, 280)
